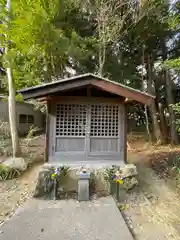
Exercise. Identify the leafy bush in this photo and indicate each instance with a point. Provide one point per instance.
(64, 170)
(5, 139)
(92, 183)
(176, 109)
(4, 131)
(31, 132)
(176, 164)
(8, 173)
(110, 172)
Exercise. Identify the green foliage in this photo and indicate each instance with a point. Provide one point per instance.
(31, 132)
(19, 98)
(176, 164)
(4, 131)
(64, 170)
(123, 206)
(36, 42)
(48, 38)
(173, 64)
(109, 173)
(52, 40)
(176, 108)
(92, 183)
(40, 49)
(8, 173)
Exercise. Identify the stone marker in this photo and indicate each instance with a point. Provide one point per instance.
(83, 186)
(44, 184)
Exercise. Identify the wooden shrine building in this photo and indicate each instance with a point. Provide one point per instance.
(86, 117)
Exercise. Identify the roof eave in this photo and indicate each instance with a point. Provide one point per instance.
(76, 82)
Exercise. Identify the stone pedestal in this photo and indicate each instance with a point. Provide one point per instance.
(83, 186)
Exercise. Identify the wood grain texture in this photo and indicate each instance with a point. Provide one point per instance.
(48, 111)
(86, 129)
(70, 144)
(107, 145)
(86, 81)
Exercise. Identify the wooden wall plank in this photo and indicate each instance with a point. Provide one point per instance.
(48, 111)
(125, 133)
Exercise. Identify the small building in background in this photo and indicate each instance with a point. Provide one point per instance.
(26, 116)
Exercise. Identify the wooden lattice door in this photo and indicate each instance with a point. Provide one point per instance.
(104, 129)
(71, 121)
(87, 129)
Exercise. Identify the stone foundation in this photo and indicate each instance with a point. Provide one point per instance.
(67, 183)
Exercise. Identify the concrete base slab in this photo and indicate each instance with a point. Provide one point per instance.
(86, 164)
(66, 220)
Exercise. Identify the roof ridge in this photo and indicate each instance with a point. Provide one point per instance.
(89, 78)
(81, 76)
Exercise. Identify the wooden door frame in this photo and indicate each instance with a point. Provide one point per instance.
(81, 100)
(64, 100)
(87, 131)
(111, 103)
(52, 130)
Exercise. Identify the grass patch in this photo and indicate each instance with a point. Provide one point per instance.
(7, 173)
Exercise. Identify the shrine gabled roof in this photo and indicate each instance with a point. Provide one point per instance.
(84, 80)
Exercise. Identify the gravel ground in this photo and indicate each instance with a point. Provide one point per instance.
(153, 210)
(14, 192)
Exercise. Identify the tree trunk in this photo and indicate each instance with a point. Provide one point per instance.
(12, 99)
(102, 56)
(159, 82)
(153, 110)
(170, 100)
(145, 107)
(12, 115)
(163, 123)
(102, 42)
(147, 123)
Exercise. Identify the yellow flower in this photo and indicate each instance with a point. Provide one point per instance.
(119, 181)
(53, 175)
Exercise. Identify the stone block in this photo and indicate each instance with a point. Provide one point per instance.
(83, 186)
(129, 183)
(44, 184)
(16, 163)
(128, 170)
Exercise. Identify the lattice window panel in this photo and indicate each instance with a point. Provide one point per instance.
(71, 119)
(104, 120)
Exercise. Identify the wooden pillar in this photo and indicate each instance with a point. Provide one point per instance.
(46, 155)
(125, 133)
(89, 91)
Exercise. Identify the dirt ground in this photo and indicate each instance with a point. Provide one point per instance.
(152, 210)
(14, 192)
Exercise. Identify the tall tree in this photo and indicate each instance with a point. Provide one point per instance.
(11, 88)
(151, 90)
(110, 20)
(50, 40)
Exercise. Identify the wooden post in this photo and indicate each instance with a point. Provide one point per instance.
(125, 133)
(89, 91)
(46, 155)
